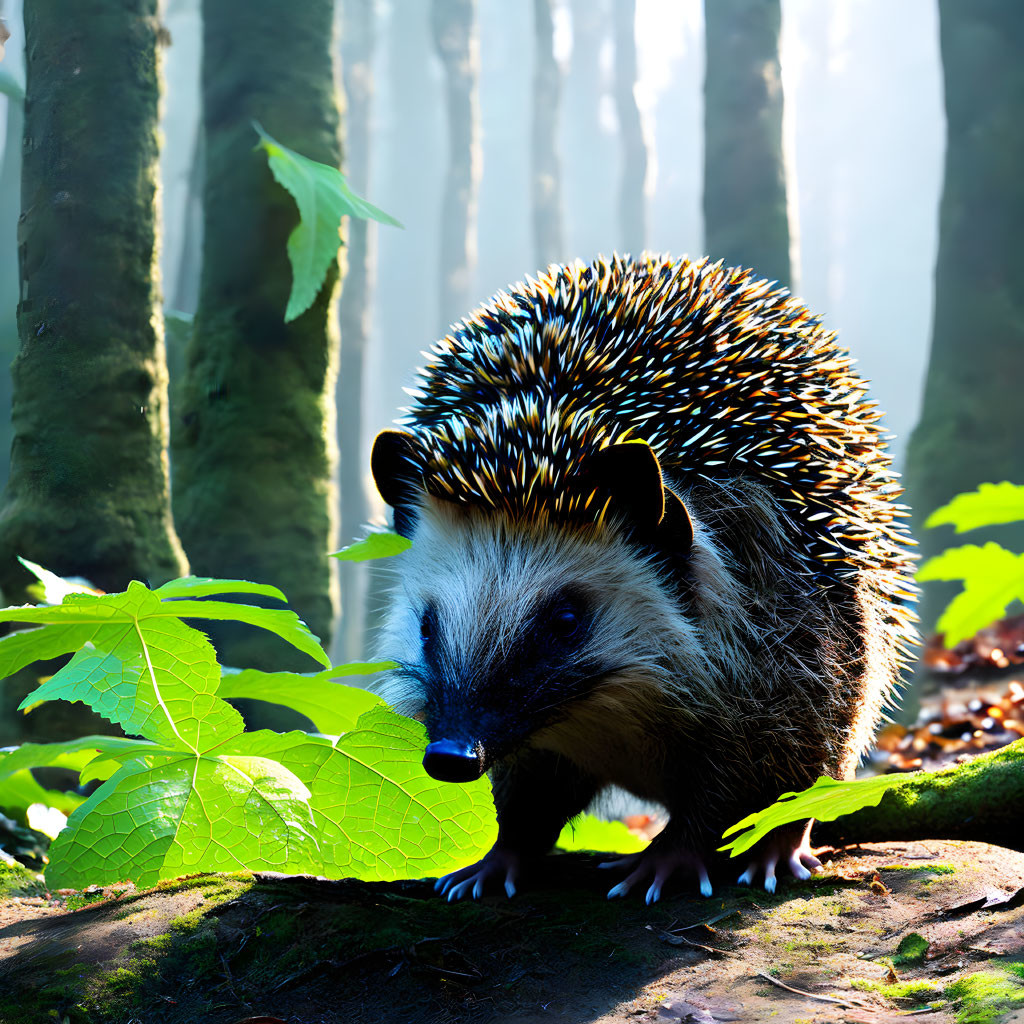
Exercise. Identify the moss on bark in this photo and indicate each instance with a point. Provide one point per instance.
(88, 487)
(745, 217)
(972, 416)
(253, 440)
(978, 801)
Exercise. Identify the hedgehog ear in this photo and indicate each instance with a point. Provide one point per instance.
(628, 475)
(675, 531)
(394, 462)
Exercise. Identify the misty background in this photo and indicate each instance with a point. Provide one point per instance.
(863, 133)
(863, 141)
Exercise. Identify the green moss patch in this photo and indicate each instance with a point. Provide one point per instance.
(918, 991)
(985, 996)
(16, 880)
(911, 950)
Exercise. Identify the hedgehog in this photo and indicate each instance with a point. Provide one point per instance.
(655, 545)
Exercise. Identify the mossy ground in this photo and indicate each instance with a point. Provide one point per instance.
(219, 949)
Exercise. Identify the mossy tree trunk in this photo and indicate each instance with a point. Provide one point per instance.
(254, 441)
(456, 38)
(972, 415)
(546, 172)
(357, 46)
(745, 215)
(88, 487)
(12, 96)
(633, 179)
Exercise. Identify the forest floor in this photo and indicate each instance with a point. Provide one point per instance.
(932, 928)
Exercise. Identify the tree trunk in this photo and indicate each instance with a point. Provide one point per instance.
(357, 45)
(590, 150)
(972, 416)
(455, 35)
(632, 199)
(978, 801)
(88, 487)
(546, 176)
(745, 215)
(11, 96)
(254, 442)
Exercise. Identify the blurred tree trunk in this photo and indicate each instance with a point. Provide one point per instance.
(254, 442)
(88, 487)
(454, 27)
(357, 45)
(632, 200)
(745, 215)
(972, 416)
(546, 176)
(12, 95)
(590, 152)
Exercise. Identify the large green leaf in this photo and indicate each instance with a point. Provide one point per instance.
(323, 198)
(203, 586)
(993, 577)
(989, 505)
(379, 816)
(152, 675)
(590, 833)
(377, 545)
(332, 707)
(826, 800)
(168, 815)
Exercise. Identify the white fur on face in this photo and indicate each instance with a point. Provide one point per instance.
(486, 577)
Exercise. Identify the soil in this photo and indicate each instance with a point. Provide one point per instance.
(929, 928)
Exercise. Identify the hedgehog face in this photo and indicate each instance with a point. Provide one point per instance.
(506, 631)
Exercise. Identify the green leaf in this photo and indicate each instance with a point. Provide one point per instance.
(201, 586)
(379, 816)
(377, 545)
(332, 707)
(154, 676)
(71, 754)
(826, 800)
(993, 578)
(323, 198)
(19, 791)
(177, 816)
(590, 833)
(54, 588)
(989, 505)
(285, 623)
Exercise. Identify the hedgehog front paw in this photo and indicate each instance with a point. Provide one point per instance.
(470, 880)
(660, 861)
(791, 845)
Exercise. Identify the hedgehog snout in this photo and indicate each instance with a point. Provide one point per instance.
(453, 761)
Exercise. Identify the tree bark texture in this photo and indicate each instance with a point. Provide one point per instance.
(88, 487)
(254, 443)
(632, 183)
(972, 415)
(745, 216)
(453, 23)
(978, 801)
(546, 172)
(10, 210)
(357, 46)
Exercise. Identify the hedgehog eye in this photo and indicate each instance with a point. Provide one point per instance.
(428, 626)
(565, 621)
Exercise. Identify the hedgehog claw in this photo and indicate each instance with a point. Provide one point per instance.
(661, 862)
(472, 880)
(783, 844)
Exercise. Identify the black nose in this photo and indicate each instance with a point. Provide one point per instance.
(450, 761)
